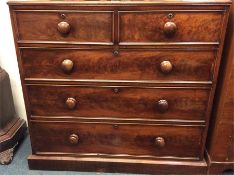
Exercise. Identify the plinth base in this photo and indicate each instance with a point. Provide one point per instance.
(97, 164)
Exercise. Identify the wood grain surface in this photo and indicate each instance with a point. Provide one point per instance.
(85, 27)
(116, 139)
(194, 65)
(187, 104)
(149, 26)
(107, 71)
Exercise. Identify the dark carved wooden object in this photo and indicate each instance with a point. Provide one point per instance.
(12, 128)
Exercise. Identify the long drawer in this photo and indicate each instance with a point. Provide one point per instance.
(116, 139)
(120, 102)
(166, 65)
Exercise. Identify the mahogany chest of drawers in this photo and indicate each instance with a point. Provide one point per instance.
(119, 86)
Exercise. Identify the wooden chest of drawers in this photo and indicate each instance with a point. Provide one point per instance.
(119, 86)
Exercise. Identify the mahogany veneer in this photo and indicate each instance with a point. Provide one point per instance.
(85, 26)
(190, 26)
(131, 64)
(119, 86)
(113, 139)
(119, 102)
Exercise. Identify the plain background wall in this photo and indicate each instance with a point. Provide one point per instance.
(8, 59)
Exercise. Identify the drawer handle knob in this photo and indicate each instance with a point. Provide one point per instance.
(160, 142)
(67, 65)
(64, 27)
(71, 103)
(166, 67)
(163, 105)
(73, 139)
(169, 29)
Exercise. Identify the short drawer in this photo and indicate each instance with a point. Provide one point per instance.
(116, 139)
(118, 102)
(168, 65)
(179, 26)
(52, 26)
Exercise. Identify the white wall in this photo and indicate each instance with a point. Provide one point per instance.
(8, 59)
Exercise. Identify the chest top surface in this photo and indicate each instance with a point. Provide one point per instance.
(117, 2)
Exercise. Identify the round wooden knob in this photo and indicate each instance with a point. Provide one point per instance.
(166, 66)
(64, 27)
(71, 103)
(67, 65)
(162, 105)
(169, 29)
(73, 139)
(159, 142)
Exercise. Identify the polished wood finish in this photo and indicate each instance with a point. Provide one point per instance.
(125, 139)
(187, 104)
(64, 27)
(195, 65)
(220, 145)
(169, 29)
(160, 142)
(166, 66)
(162, 105)
(123, 165)
(109, 2)
(119, 86)
(71, 103)
(73, 139)
(67, 65)
(150, 26)
(81, 26)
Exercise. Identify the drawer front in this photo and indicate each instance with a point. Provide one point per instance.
(128, 65)
(124, 139)
(76, 27)
(127, 102)
(159, 27)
